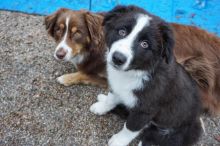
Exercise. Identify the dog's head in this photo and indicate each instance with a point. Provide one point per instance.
(75, 32)
(136, 39)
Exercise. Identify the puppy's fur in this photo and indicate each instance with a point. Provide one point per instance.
(80, 40)
(162, 98)
(197, 50)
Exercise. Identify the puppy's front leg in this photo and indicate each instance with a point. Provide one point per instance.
(104, 104)
(136, 122)
(81, 78)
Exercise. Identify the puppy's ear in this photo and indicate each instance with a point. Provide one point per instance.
(50, 21)
(94, 24)
(167, 41)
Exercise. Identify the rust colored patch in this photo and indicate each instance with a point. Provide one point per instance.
(74, 29)
(82, 78)
(62, 26)
(88, 39)
(76, 49)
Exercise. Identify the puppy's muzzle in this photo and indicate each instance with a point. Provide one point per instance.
(118, 59)
(61, 53)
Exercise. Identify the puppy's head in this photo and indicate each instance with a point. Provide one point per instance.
(75, 32)
(137, 40)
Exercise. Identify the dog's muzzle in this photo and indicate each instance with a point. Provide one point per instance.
(118, 59)
(60, 53)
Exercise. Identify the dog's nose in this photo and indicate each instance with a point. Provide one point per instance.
(61, 53)
(118, 58)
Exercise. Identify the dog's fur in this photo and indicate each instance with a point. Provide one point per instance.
(162, 98)
(197, 50)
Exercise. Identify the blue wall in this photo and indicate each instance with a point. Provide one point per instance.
(202, 13)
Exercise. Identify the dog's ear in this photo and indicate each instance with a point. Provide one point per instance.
(50, 21)
(167, 42)
(94, 24)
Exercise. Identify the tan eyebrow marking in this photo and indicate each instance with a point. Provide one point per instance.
(74, 29)
(61, 26)
(88, 39)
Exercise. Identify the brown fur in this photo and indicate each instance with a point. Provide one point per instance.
(82, 78)
(197, 50)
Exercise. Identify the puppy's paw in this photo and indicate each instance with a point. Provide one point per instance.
(102, 97)
(62, 80)
(99, 108)
(117, 140)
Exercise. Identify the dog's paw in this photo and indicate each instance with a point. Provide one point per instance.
(102, 97)
(62, 80)
(99, 108)
(118, 140)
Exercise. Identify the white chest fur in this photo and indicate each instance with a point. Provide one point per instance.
(124, 82)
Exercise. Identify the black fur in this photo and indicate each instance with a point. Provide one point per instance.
(169, 100)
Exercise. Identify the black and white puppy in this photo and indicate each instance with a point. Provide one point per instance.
(143, 75)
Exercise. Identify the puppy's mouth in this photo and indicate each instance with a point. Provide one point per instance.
(115, 66)
(118, 67)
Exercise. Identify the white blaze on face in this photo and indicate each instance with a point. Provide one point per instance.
(63, 44)
(124, 45)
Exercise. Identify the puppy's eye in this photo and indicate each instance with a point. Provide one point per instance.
(144, 44)
(122, 32)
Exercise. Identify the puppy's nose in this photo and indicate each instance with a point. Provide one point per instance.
(61, 53)
(118, 58)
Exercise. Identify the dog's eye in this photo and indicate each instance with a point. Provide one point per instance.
(76, 35)
(144, 44)
(58, 30)
(122, 32)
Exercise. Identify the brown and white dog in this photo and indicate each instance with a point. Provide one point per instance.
(80, 39)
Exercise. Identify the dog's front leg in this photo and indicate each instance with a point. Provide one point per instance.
(81, 78)
(104, 104)
(136, 122)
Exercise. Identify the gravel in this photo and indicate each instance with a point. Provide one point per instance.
(35, 109)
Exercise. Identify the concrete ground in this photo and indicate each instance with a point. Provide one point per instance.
(35, 109)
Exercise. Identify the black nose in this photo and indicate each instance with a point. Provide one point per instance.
(118, 58)
(61, 53)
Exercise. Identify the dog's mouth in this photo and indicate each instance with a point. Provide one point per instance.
(119, 68)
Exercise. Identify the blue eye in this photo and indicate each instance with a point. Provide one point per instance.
(122, 32)
(144, 44)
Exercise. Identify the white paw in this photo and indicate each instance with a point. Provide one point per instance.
(140, 143)
(102, 97)
(118, 140)
(99, 108)
(61, 80)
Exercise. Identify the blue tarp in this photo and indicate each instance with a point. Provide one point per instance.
(202, 13)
